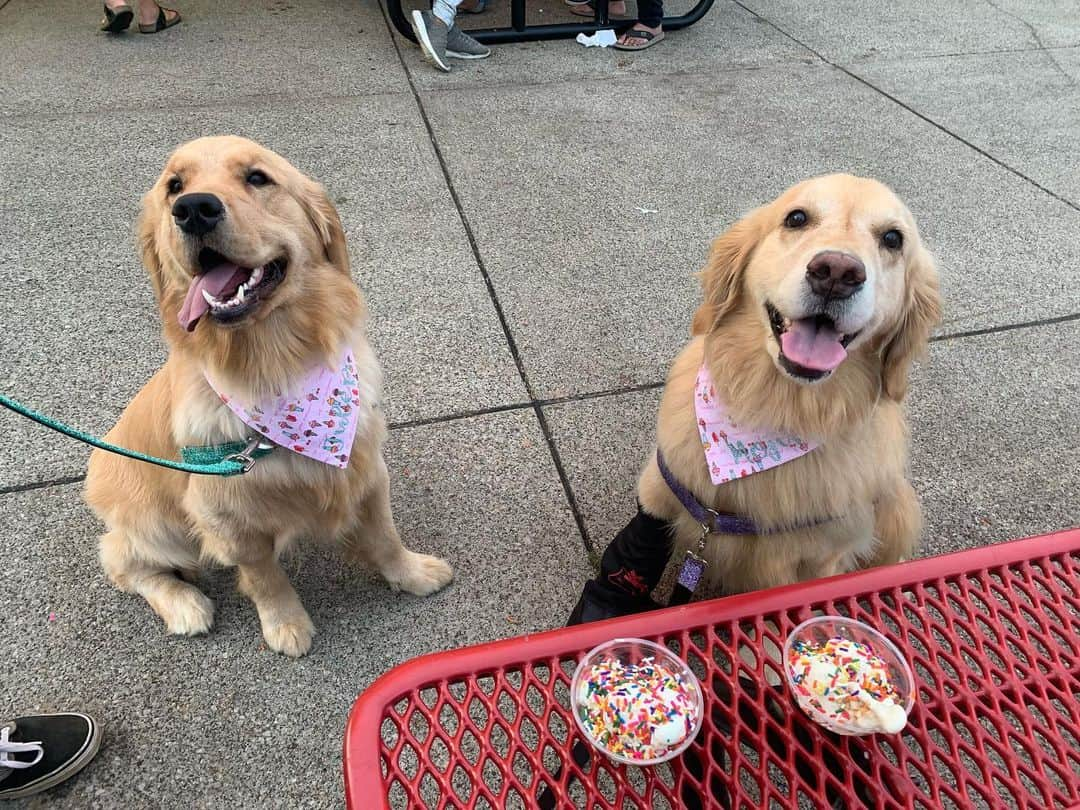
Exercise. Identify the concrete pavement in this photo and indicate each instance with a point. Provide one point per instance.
(500, 219)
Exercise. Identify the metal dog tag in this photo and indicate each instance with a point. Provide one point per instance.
(693, 566)
(690, 573)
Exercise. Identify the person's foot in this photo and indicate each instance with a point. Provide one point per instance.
(431, 34)
(149, 12)
(639, 37)
(461, 46)
(40, 751)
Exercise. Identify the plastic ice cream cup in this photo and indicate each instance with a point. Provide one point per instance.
(636, 701)
(848, 677)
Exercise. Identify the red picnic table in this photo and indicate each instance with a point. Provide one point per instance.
(992, 635)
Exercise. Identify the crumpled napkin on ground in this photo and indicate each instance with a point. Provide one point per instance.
(600, 39)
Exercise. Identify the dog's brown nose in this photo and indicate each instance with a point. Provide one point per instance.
(833, 274)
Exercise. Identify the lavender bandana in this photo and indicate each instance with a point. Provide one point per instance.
(316, 419)
(734, 451)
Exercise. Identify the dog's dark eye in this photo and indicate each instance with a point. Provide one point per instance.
(796, 219)
(175, 186)
(893, 240)
(257, 178)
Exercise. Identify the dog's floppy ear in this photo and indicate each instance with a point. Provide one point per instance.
(324, 216)
(922, 312)
(721, 280)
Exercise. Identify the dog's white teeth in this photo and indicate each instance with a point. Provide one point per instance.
(240, 294)
(209, 298)
(256, 277)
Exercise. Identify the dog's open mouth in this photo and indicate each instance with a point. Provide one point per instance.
(227, 291)
(810, 348)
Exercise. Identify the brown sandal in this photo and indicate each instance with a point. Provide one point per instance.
(648, 39)
(162, 22)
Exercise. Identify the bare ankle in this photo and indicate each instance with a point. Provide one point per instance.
(148, 12)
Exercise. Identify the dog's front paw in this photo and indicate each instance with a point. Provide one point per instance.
(292, 638)
(421, 574)
(186, 611)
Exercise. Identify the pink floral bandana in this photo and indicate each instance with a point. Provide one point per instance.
(317, 419)
(732, 451)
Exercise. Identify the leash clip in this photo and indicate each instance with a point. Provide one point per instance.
(247, 455)
(706, 530)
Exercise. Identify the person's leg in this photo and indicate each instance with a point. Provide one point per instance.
(446, 10)
(587, 8)
(40, 751)
(651, 13)
(148, 12)
(648, 30)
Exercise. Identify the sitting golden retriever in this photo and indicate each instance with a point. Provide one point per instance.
(265, 331)
(781, 443)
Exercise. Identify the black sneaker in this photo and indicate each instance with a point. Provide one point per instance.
(40, 751)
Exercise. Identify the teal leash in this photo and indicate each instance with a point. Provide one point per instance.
(233, 458)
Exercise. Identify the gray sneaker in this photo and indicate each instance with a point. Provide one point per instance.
(461, 46)
(431, 34)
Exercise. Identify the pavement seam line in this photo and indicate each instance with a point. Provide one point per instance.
(54, 482)
(252, 101)
(1009, 327)
(508, 334)
(537, 404)
(892, 60)
(521, 406)
(913, 111)
(610, 392)
(653, 386)
(627, 78)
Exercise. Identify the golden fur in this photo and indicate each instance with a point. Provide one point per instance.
(858, 472)
(162, 522)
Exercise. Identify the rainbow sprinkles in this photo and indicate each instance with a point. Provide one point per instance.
(639, 712)
(845, 686)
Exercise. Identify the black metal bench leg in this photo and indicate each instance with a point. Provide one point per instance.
(520, 31)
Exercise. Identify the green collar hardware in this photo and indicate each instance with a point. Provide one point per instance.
(234, 458)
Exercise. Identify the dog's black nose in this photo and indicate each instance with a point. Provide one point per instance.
(833, 274)
(198, 214)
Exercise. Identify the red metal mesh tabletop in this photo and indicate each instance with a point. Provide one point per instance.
(991, 635)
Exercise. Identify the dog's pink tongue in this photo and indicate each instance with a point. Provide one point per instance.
(813, 345)
(221, 278)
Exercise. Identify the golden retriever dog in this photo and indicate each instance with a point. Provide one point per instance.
(815, 307)
(249, 265)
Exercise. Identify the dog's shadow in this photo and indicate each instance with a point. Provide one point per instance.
(331, 589)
